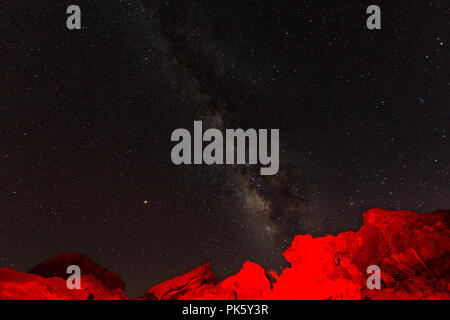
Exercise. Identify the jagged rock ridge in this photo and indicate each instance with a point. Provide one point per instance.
(412, 251)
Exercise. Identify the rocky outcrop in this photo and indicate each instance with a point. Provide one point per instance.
(412, 251)
(198, 281)
(57, 267)
(15, 285)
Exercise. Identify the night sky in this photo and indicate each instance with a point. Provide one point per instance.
(86, 118)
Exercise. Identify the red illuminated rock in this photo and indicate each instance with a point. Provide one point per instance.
(57, 267)
(198, 282)
(251, 282)
(412, 251)
(15, 285)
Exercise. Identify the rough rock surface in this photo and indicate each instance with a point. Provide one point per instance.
(15, 285)
(187, 286)
(57, 267)
(412, 251)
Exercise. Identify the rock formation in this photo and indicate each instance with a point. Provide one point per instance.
(15, 285)
(57, 267)
(412, 251)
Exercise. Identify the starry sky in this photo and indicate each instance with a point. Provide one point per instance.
(86, 118)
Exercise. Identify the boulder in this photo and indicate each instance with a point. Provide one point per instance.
(57, 267)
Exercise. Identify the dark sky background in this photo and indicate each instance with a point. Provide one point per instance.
(86, 118)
